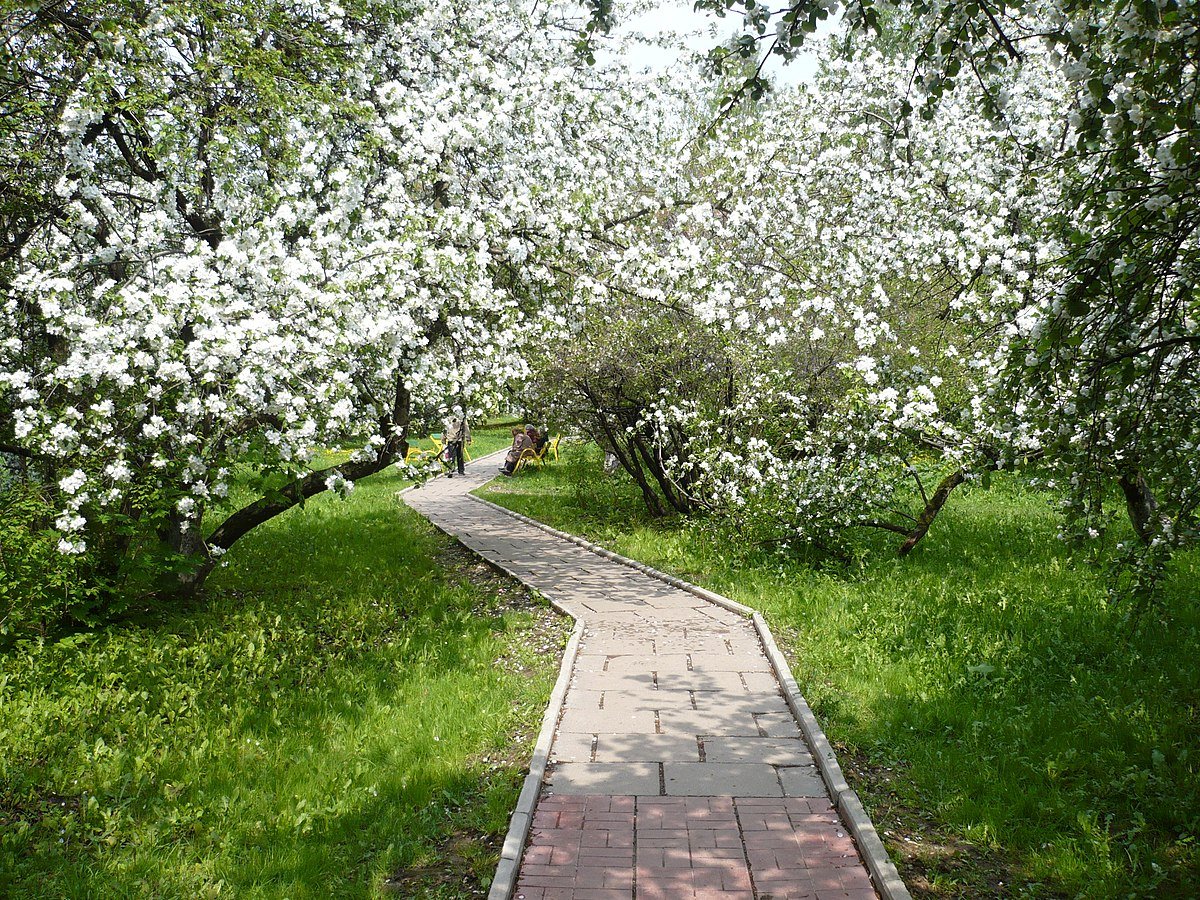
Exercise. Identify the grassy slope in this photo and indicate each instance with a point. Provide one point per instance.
(354, 702)
(1003, 721)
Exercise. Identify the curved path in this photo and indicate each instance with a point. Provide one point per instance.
(677, 769)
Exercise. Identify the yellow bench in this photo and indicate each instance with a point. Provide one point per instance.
(416, 454)
(533, 458)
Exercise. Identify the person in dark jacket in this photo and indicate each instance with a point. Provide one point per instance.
(456, 433)
(539, 439)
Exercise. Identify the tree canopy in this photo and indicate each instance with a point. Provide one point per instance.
(238, 233)
(1094, 356)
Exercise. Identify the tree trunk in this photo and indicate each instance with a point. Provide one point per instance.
(627, 457)
(182, 535)
(393, 428)
(678, 502)
(1141, 505)
(932, 508)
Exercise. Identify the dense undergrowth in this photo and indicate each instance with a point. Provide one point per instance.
(346, 712)
(1014, 730)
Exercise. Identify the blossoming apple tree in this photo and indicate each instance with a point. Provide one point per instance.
(1099, 357)
(840, 291)
(247, 231)
(1103, 363)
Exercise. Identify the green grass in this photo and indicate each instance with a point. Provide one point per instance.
(1004, 721)
(347, 712)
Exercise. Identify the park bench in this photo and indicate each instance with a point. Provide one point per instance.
(417, 454)
(529, 456)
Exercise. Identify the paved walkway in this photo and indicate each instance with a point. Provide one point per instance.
(677, 769)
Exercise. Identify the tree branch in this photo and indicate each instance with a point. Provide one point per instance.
(932, 508)
(886, 526)
(395, 446)
(23, 452)
(1012, 51)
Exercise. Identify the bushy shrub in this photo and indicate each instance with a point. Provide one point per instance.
(39, 586)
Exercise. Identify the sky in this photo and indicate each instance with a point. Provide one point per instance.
(703, 31)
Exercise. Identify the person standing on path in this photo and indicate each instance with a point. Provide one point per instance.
(457, 433)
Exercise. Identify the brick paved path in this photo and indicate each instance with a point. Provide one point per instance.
(677, 769)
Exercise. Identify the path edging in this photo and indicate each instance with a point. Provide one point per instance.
(883, 871)
(521, 821)
(505, 879)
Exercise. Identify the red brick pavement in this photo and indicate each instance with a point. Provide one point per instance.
(690, 848)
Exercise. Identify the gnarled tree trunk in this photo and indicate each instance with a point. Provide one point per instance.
(1141, 505)
(393, 428)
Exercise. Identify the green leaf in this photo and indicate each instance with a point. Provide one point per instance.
(1077, 304)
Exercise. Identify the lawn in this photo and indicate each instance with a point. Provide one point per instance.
(348, 711)
(1013, 731)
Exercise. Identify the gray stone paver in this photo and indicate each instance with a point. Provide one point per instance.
(608, 721)
(597, 680)
(777, 751)
(729, 683)
(802, 781)
(648, 747)
(777, 725)
(713, 779)
(677, 769)
(623, 778)
(717, 662)
(660, 664)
